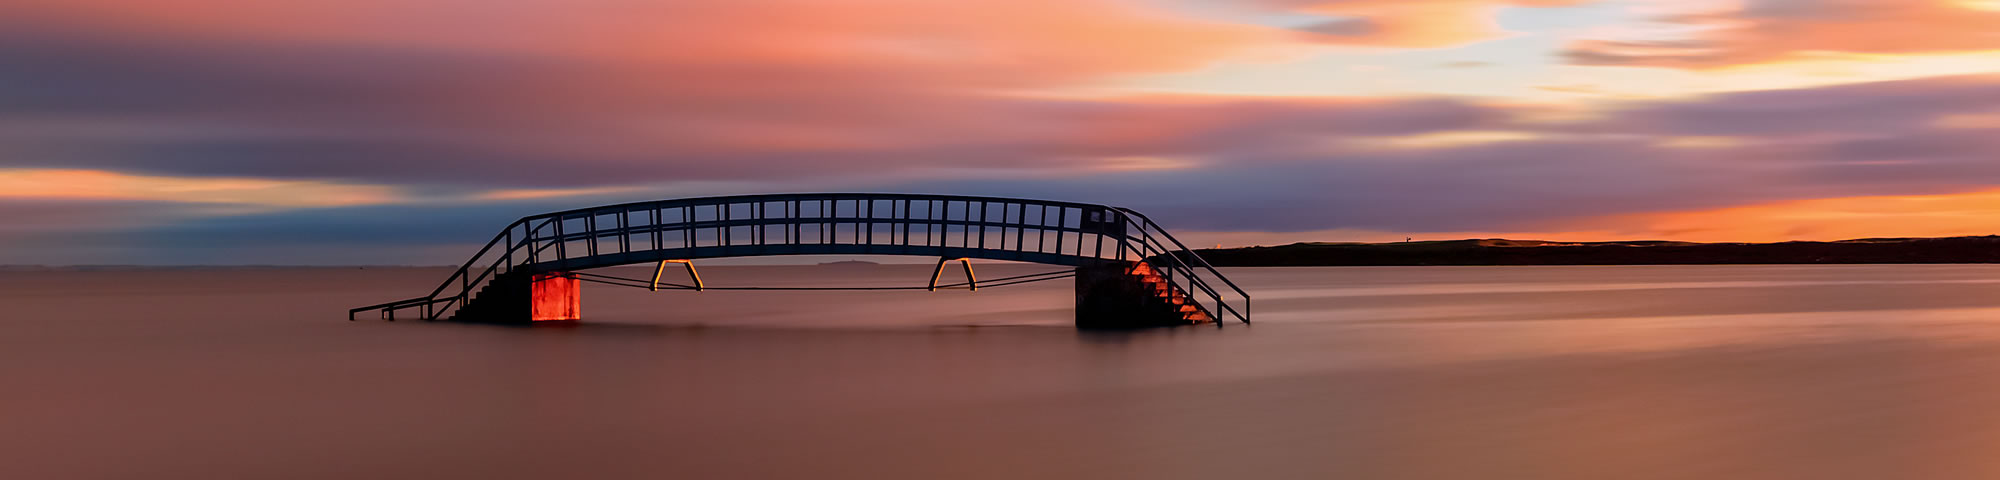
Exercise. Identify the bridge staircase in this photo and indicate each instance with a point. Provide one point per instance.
(511, 297)
(1168, 296)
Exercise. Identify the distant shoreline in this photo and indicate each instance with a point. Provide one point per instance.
(1500, 252)
(114, 268)
(1481, 252)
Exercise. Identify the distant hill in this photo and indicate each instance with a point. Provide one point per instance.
(848, 263)
(1536, 252)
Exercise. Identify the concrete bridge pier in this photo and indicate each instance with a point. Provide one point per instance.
(1118, 295)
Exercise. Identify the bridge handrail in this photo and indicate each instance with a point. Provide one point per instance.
(1190, 253)
(1184, 248)
(432, 298)
(1146, 256)
(729, 199)
(1149, 253)
(391, 306)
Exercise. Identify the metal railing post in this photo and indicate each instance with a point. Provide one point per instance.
(561, 243)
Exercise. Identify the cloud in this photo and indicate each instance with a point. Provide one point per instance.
(1405, 23)
(417, 117)
(549, 93)
(1764, 31)
(70, 231)
(1269, 167)
(111, 186)
(44, 215)
(1838, 218)
(1875, 108)
(975, 43)
(480, 113)
(1291, 165)
(1857, 140)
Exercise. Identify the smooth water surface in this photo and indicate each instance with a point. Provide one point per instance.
(1408, 373)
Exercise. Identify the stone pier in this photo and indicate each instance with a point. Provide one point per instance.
(1116, 294)
(522, 298)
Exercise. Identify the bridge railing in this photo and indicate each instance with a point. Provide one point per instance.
(1158, 247)
(946, 226)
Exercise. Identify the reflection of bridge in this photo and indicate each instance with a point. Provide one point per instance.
(1130, 272)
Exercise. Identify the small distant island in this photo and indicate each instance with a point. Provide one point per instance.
(1535, 252)
(848, 263)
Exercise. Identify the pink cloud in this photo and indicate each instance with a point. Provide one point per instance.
(970, 43)
(1760, 31)
(1409, 23)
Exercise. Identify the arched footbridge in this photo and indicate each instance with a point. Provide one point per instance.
(1129, 271)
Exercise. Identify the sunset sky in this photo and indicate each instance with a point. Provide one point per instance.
(399, 131)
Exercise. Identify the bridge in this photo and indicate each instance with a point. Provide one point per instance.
(1129, 271)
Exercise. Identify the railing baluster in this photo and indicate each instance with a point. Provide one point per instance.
(1079, 232)
(1042, 230)
(1062, 221)
(1020, 227)
(590, 233)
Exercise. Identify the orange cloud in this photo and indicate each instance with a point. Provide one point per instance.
(977, 43)
(1413, 24)
(1826, 219)
(632, 81)
(97, 185)
(1959, 214)
(1762, 31)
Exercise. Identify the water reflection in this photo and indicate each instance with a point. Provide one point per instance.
(1522, 373)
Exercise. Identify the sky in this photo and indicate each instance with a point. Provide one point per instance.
(402, 131)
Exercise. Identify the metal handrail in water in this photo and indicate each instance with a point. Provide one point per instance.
(1184, 248)
(1152, 245)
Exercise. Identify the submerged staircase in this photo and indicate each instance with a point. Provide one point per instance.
(1169, 295)
(484, 306)
(1117, 295)
(520, 296)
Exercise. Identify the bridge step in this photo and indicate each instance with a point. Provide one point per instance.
(1172, 295)
(1130, 295)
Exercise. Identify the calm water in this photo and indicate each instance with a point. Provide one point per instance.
(1409, 373)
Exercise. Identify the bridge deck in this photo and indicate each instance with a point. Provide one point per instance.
(1049, 232)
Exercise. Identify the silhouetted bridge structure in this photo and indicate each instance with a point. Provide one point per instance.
(1129, 271)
